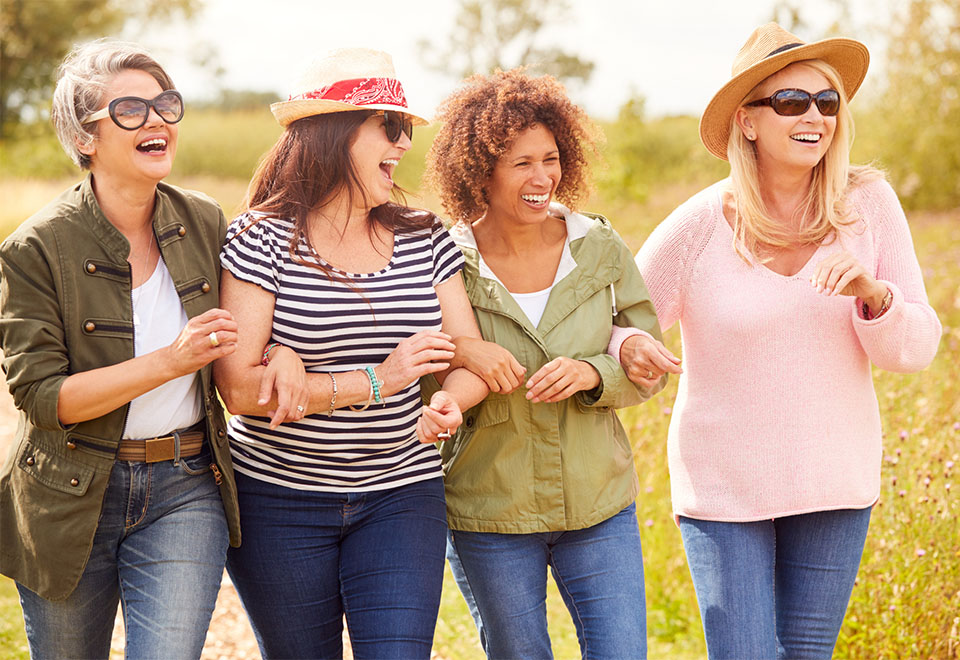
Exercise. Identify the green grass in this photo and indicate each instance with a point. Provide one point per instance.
(13, 641)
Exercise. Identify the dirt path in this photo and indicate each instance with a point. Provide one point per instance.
(230, 636)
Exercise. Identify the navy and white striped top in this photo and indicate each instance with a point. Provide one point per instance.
(332, 327)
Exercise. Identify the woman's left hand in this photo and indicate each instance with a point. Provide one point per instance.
(561, 378)
(286, 377)
(842, 274)
(442, 416)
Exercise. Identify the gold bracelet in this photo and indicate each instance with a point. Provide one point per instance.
(333, 398)
(369, 397)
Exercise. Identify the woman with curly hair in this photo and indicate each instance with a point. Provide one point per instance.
(541, 472)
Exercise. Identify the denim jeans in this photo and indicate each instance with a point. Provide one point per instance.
(599, 571)
(775, 588)
(309, 558)
(159, 549)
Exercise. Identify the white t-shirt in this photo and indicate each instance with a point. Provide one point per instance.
(535, 302)
(158, 317)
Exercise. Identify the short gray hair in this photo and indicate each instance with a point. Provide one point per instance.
(81, 79)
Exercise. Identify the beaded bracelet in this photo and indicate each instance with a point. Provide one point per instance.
(265, 360)
(375, 384)
(333, 397)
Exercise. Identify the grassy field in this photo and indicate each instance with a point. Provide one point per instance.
(907, 599)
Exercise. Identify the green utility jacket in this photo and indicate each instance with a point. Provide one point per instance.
(517, 467)
(65, 308)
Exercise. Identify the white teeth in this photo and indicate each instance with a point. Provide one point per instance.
(536, 199)
(806, 137)
(390, 161)
(154, 142)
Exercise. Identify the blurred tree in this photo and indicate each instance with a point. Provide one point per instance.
(36, 35)
(914, 122)
(503, 34)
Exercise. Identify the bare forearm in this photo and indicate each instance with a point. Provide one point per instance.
(241, 391)
(91, 394)
(466, 388)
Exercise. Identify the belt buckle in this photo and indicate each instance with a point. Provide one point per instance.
(158, 449)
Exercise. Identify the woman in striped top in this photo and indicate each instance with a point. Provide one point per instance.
(355, 298)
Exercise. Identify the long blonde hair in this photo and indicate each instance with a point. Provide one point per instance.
(824, 211)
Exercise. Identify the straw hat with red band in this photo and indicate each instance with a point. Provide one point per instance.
(346, 80)
(769, 49)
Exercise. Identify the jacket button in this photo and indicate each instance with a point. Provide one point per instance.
(30, 460)
(220, 433)
(74, 482)
(91, 267)
(89, 326)
(182, 231)
(205, 287)
(470, 422)
(71, 444)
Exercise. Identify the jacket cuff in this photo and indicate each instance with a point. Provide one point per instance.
(48, 394)
(599, 395)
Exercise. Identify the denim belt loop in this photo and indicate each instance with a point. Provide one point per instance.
(176, 448)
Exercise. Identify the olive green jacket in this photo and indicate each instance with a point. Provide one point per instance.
(517, 467)
(65, 308)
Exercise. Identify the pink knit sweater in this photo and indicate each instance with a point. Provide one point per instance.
(776, 412)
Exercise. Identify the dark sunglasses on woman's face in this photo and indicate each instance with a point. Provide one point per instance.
(793, 102)
(395, 123)
(131, 112)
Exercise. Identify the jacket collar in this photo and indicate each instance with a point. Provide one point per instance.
(595, 268)
(111, 237)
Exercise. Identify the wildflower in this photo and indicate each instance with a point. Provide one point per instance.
(903, 434)
(921, 552)
(667, 410)
(893, 608)
(948, 465)
(956, 426)
(648, 523)
(649, 489)
(902, 493)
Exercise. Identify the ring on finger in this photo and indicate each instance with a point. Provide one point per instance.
(649, 373)
(444, 435)
(213, 339)
(300, 409)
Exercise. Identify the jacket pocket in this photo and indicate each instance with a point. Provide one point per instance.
(56, 472)
(489, 412)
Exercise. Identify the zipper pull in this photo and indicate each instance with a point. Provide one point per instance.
(613, 298)
(216, 473)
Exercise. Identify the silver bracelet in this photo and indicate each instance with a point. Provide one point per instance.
(333, 398)
(369, 396)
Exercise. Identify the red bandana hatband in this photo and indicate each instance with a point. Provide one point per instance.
(359, 91)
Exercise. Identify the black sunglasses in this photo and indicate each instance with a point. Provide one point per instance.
(131, 112)
(395, 123)
(793, 102)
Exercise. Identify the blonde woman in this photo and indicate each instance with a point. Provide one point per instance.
(788, 279)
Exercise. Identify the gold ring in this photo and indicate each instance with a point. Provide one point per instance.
(649, 374)
(213, 339)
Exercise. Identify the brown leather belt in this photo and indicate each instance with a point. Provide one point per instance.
(154, 450)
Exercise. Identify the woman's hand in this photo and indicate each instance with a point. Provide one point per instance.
(440, 419)
(842, 274)
(197, 345)
(285, 376)
(645, 360)
(560, 378)
(492, 362)
(414, 357)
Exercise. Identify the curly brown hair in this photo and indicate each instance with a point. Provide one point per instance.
(483, 118)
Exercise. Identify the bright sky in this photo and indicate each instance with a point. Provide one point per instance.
(676, 53)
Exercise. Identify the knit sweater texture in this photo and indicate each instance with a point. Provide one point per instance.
(776, 412)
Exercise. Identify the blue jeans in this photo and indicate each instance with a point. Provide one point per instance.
(309, 558)
(159, 549)
(599, 571)
(775, 588)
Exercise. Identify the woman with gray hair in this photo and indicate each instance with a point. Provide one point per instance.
(119, 485)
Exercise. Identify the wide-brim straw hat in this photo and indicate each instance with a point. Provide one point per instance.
(769, 49)
(346, 80)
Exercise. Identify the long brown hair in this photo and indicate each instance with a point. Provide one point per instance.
(307, 168)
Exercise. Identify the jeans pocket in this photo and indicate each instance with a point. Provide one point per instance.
(199, 464)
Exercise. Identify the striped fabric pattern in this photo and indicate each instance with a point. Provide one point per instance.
(337, 327)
